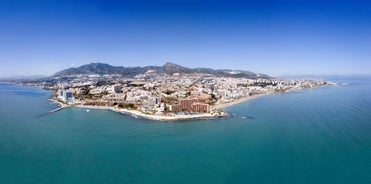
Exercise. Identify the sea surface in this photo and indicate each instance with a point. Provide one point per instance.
(320, 135)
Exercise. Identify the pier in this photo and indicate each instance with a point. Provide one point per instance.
(55, 110)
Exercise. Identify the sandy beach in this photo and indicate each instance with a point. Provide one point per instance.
(244, 99)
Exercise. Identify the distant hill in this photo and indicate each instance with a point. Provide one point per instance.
(168, 68)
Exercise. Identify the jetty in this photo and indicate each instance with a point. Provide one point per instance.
(55, 110)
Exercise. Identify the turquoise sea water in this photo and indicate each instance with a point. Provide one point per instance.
(320, 135)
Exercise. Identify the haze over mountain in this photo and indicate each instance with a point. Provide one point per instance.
(168, 68)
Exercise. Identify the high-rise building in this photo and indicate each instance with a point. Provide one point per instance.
(200, 107)
(191, 103)
(158, 100)
(65, 95)
(117, 89)
(186, 103)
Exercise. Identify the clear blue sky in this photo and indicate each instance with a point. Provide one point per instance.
(276, 37)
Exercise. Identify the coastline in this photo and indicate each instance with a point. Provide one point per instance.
(136, 113)
(240, 100)
(154, 117)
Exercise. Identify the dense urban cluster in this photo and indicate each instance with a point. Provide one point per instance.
(166, 95)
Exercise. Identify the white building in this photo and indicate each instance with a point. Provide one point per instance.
(65, 95)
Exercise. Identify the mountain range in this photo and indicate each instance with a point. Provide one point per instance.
(168, 68)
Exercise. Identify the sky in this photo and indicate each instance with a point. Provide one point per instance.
(274, 37)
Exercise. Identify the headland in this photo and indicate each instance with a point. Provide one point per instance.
(170, 92)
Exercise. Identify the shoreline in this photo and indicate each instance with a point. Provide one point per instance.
(240, 100)
(136, 113)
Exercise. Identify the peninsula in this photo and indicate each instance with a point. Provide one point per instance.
(168, 92)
